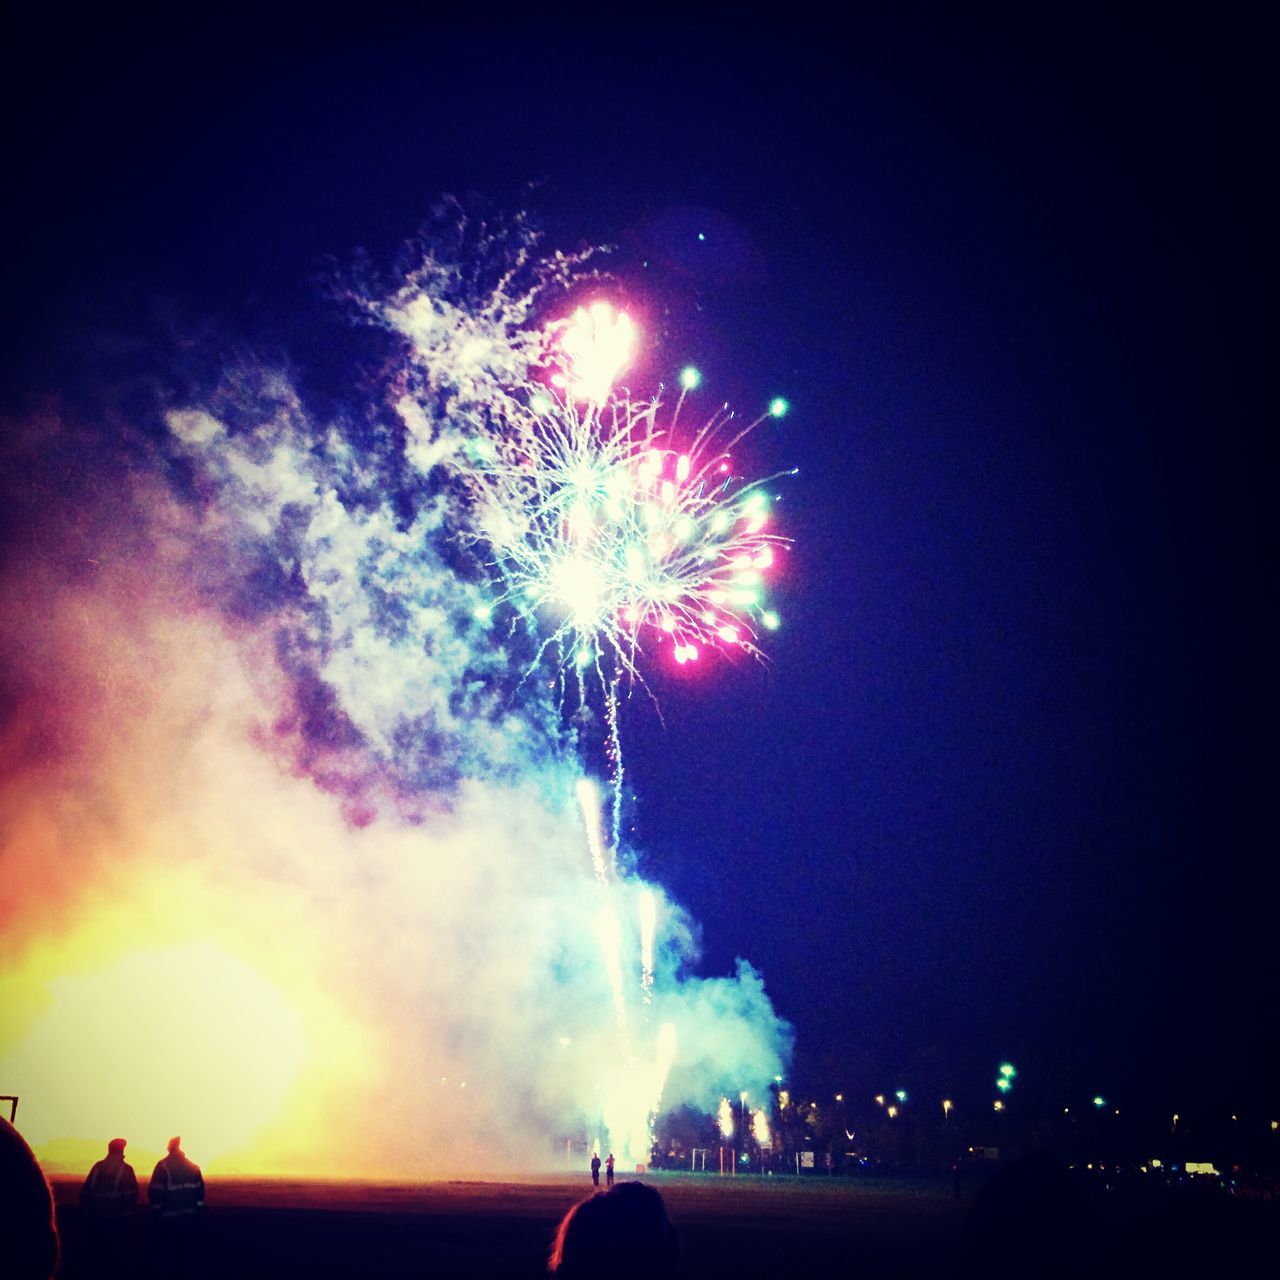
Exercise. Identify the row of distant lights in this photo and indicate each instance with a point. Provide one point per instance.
(1007, 1072)
(1003, 1083)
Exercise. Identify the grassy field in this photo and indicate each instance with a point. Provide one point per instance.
(742, 1227)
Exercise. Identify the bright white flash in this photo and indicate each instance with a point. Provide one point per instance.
(597, 346)
(577, 584)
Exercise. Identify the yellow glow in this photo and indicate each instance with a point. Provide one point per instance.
(139, 1023)
(760, 1128)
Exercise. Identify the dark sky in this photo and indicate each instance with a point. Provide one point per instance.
(1001, 790)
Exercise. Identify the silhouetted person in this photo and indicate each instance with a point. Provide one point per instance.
(623, 1234)
(1028, 1220)
(28, 1234)
(608, 1170)
(176, 1194)
(107, 1201)
(595, 1169)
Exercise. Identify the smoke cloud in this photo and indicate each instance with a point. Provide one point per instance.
(290, 857)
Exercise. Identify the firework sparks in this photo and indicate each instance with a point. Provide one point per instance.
(621, 529)
(760, 1127)
(724, 1117)
(609, 935)
(589, 804)
(648, 921)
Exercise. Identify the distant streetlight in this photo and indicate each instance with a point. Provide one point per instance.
(839, 1097)
(880, 1099)
(901, 1095)
(1099, 1102)
(946, 1107)
(893, 1111)
(998, 1104)
(1007, 1070)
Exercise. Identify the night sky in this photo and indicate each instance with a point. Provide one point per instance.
(1001, 791)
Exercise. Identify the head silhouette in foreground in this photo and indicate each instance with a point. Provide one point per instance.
(623, 1233)
(28, 1237)
(1029, 1219)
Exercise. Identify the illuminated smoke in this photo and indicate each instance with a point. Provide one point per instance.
(279, 806)
(648, 922)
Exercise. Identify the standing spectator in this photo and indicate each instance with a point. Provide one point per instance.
(608, 1170)
(595, 1168)
(176, 1194)
(107, 1201)
(28, 1236)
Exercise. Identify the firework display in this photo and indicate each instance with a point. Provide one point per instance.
(614, 530)
(406, 611)
(619, 528)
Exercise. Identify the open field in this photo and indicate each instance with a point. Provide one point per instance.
(728, 1227)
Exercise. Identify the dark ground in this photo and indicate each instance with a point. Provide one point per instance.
(873, 1227)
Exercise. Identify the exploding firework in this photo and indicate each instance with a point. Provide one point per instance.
(618, 529)
(597, 345)
(614, 530)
